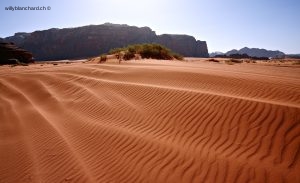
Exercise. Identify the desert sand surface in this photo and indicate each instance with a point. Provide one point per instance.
(149, 121)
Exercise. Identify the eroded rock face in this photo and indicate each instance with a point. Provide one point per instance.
(11, 54)
(184, 44)
(93, 40)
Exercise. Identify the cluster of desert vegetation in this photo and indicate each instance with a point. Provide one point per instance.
(144, 51)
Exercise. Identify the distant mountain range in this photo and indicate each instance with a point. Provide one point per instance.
(213, 54)
(253, 52)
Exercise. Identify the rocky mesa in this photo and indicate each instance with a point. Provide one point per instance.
(92, 40)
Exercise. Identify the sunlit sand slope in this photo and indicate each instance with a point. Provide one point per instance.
(149, 122)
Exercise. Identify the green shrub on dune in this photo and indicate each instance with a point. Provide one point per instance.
(128, 55)
(103, 58)
(116, 50)
(154, 51)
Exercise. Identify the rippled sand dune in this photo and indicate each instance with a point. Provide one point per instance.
(149, 122)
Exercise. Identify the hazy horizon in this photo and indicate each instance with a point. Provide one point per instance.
(233, 24)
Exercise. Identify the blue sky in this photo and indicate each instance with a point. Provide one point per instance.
(224, 24)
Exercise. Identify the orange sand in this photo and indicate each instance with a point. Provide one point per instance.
(151, 121)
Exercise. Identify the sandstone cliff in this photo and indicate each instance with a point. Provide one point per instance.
(184, 44)
(88, 41)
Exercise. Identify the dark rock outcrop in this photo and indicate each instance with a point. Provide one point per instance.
(256, 52)
(88, 41)
(11, 54)
(241, 56)
(297, 56)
